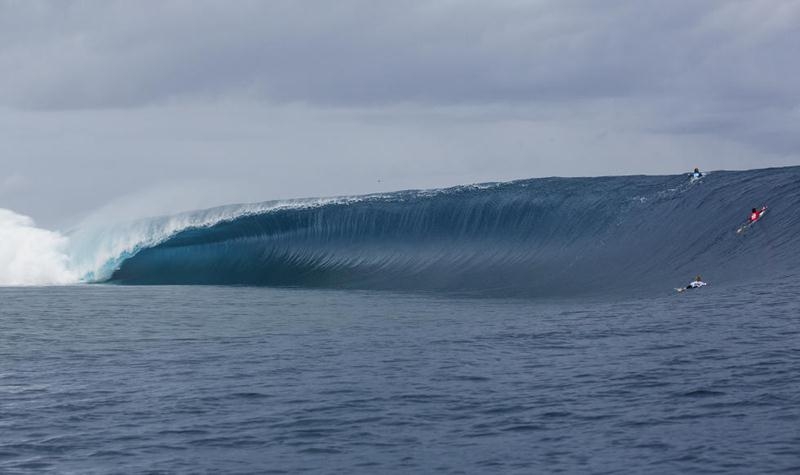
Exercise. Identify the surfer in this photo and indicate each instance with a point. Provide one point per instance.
(697, 173)
(696, 283)
(755, 215)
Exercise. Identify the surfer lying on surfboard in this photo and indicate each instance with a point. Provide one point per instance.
(697, 282)
(755, 215)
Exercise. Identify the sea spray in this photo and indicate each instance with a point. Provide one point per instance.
(31, 255)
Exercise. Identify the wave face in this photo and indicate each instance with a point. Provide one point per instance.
(552, 236)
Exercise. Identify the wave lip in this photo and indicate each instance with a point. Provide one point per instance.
(553, 236)
(96, 252)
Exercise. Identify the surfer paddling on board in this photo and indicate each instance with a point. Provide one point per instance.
(696, 283)
(755, 215)
(697, 173)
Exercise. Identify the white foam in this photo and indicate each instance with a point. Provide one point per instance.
(31, 255)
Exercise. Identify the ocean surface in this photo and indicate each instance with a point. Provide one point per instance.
(522, 327)
(214, 379)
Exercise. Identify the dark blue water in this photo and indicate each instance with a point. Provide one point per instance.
(115, 379)
(531, 238)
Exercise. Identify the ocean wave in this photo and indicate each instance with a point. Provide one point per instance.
(550, 236)
(554, 236)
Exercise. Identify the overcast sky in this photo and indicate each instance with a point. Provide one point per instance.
(179, 104)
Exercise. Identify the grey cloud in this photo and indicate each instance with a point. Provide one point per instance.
(359, 52)
(287, 98)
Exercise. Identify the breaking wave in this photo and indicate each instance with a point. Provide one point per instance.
(553, 236)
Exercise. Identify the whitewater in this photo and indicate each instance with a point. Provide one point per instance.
(549, 236)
